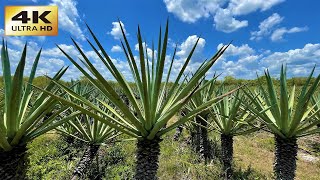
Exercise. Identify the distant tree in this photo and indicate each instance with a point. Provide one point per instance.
(229, 80)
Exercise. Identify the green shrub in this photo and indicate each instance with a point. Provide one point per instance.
(47, 158)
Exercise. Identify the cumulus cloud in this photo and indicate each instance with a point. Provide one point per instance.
(269, 27)
(16, 41)
(278, 34)
(116, 30)
(56, 52)
(224, 12)
(244, 65)
(243, 50)
(225, 22)
(190, 10)
(185, 47)
(69, 17)
(183, 50)
(116, 48)
(47, 65)
(266, 26)
(241, 61)
(243, 7)
(145, 45)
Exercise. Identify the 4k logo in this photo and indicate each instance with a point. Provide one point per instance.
(31, 20)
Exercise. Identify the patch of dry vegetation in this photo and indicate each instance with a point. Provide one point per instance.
(256, 150)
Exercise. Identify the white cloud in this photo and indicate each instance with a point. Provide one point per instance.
(185, 47)
(243, 7)
(183, 51)
(241, 61)
(56, 52)
(269, 27)
(190, 10)
(244, 65)
(224, 12)
(243, 50)
(17, 41)
(149, 50)
(278, 34)
(266, 26)
(116, 48)
(116, 30)
(238, 61)
(310, 53)
(69, 17)
(56, 61)
(46, 65)
(225, 22)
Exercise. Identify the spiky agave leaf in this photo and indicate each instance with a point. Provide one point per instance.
(205, 95)
(153, 111)
(198, 127)
(285, 117)
(231, 117)
(315, 103)
(19, 119)
(157, 104)
(83, 127)
(23, 117)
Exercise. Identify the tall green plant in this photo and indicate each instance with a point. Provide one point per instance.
(22, 117)
(199, 132)
(153, 111)
(230, 118)
(91, 131)
(84, 128)
(315, 102)
(286, 119)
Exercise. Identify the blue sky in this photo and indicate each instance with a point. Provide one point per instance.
(265, 34)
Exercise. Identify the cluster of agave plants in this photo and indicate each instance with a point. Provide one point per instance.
(97, 112)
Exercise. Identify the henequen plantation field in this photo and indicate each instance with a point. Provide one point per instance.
(186, 126)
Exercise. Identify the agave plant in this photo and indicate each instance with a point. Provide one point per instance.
(83, 89)
(86, 129)
(229, 119)
(22, 117)
(153, 111)
(286, 119)
(199, 131)
(91, 131)
(315, 103)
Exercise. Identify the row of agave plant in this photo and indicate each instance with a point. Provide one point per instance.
(247, 111)
(98, 112)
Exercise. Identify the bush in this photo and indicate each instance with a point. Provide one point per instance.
(47, 160)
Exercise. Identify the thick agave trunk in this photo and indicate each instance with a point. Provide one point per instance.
(204, 152)
(13, 164)
(71, 143)
(200, 139)
(285, 158)
(148, 152)
(69, 139)
(85, 161)
(178, 133)
(227, 155)
(196, 138)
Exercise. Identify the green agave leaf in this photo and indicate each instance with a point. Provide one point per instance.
(157, 104)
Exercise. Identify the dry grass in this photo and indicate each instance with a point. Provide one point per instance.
(257, 151)
(177, 161)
